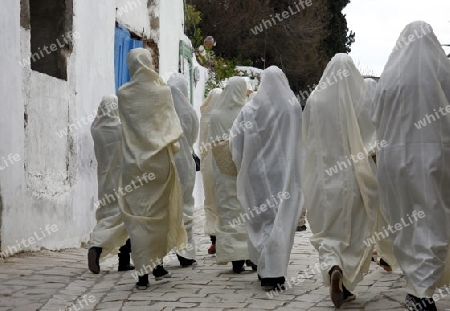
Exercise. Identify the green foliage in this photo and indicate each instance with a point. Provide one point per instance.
(219, 68)
(340, 38)
(192, 17)
(197, 38)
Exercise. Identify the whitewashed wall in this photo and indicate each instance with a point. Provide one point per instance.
(54, 183)
(11, 121)
(171, 19)
(133, 14)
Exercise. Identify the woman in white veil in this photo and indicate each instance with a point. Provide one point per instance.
(413, 115)
(338, 181)
(231, 236)
(209, 188)
(184, 160)
(151, 130)
(109, 234)
(267, 156)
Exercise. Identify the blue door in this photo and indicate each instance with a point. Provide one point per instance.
(123, 43)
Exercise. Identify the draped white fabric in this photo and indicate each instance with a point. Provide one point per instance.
(372, 87)
(206, 167)
(383, 245)
(106, 130)
(183, 160)
(269, 184)
(412, 115)
(231, 239)
(341, 203)
(153, 210)
(227, 108)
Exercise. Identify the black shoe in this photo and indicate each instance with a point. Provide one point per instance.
(238, 266)
(94, 259)
(336, 287)
(348, 296)
(184, 262)
(383, 264)
(142, 283)
(301, 228)
(419, 304)
(249, 263)
(160, 273)
(272, 283)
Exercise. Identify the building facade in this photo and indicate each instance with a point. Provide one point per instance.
(59, 58)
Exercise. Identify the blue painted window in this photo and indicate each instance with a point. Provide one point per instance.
(123, 43)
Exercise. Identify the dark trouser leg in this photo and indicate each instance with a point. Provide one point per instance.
(94, 259)
(124, 257)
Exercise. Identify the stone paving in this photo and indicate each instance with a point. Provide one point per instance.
(57, 281)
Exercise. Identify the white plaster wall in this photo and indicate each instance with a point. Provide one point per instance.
(11, 119)
(134, 15)
(171, 20)
(95, 78)
(55, 182)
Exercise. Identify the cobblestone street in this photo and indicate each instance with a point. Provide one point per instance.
(53, 281)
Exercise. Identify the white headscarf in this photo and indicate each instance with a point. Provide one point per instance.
(408, 68)
(106, 131)
(107, 111)
(188, 117)
(150, 122)
(228, 106)
(206, 109)
(209, 102)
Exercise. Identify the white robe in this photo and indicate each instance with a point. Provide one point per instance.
(106, 130)
(414, 168)
(341, 205)
(153, 210)
(206, 167)
(266, 150)
(231, 239)
(371, 86)
(383, 245)
(183, 160)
